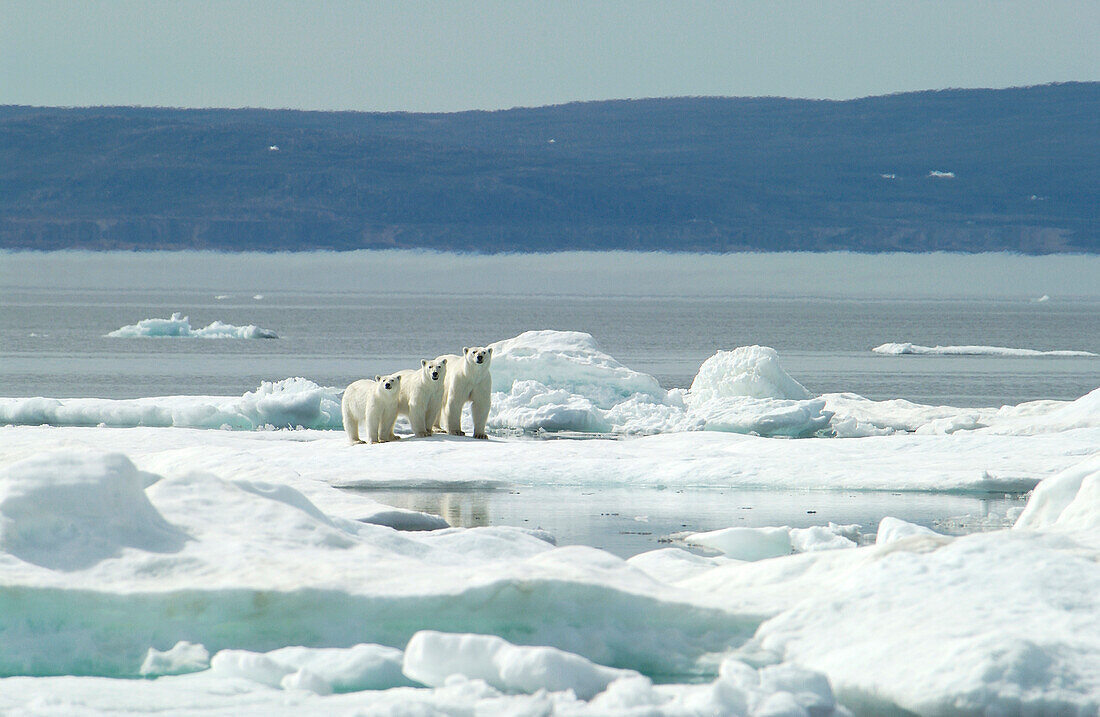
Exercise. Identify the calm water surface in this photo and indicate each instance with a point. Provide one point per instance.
(53, 343)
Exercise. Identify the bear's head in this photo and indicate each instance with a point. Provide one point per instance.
(434, 370)
(478, 356)
(389, 384)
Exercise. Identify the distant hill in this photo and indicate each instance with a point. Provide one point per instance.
(960, 170)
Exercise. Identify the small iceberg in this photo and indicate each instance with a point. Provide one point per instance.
(907, 349)
(179, 326)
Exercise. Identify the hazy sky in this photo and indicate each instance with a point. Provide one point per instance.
(463, 54)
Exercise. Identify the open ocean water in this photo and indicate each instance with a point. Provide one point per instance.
(53, 342)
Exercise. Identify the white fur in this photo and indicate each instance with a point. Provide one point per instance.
(467, 380)
(421, 395)
(374, 404)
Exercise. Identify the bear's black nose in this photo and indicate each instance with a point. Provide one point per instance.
(434, 375)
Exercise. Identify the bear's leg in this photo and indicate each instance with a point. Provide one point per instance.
(372, 429)
(417, 414)
(351, 426)
(479, 409)
(431, 420)
(385, 425)
(452, 415)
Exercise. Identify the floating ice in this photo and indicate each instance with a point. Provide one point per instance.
(907, 349)
(290, 403)
(569, 361)
(893, 529)
(184, 657)
(180, 326)
(433, 657)
(762, 543)
(751, 371)
(561, 381)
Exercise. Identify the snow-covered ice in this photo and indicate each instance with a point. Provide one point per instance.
(908, 349)
(231, 571)
(179, 326)
(562, 382)
(300, 603)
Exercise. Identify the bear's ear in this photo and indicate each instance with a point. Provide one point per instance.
(377, 377)
(465, 349)
(490, 350)
(444, 362)
(396, 378)
(423, 363)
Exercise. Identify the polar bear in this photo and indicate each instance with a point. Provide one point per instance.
(467, 379)
(373, 403)
(421, 394)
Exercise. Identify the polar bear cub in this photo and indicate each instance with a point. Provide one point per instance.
(373, 404)
(468, 379)
(421, 394)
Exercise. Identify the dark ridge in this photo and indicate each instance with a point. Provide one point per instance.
(681, 174)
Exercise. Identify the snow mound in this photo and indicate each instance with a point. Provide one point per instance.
(569, 361)
(179, 326)
(963, 626)
(893, 529)
(184, 657)
(855, 416)
(1067, 501)
(320, 671)
(562, 381)
(290, 403)
(752, 371)
(907, 349)
(68, 512)
(433, 657)
(753, 544)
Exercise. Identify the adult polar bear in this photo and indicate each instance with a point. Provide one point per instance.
(373, 403)
(468, 379)
(421, 395)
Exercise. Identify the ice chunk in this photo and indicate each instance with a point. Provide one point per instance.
(532, 406)
(1068, 501)
(253, 666)
(817, 537)
(290, 403)
(306, 681)
(431, 657)
(900, 349)
(893, 529)
(67, 511)
(179, 326)
(351, 669)
(568, 360)
(745, 543)
(762, 416)
(182, 658)
(752, 371)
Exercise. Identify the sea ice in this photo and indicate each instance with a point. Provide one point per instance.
(498, 619)
(180, 326)
(554, 381)
(900, 349)
(761, 543)
(431, 658)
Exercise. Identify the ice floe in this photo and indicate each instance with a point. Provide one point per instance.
(555, 381)
(179, 326)
(908, 349)
(305, 609)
